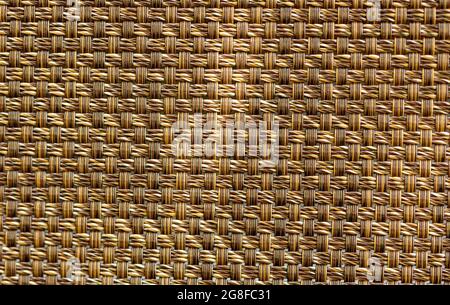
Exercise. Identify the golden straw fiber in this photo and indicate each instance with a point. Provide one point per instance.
(224, 142)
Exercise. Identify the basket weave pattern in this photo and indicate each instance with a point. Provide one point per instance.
(95, 188)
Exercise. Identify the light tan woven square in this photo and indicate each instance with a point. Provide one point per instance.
(224, 142)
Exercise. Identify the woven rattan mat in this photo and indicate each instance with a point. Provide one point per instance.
(227, 142)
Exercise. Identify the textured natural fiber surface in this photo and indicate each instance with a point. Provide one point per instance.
(95, 189)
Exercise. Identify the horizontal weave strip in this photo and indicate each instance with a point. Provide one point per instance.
(224, 142)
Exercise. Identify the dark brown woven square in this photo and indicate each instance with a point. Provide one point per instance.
(226, 142)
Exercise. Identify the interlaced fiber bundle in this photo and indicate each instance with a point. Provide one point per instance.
(224, 142)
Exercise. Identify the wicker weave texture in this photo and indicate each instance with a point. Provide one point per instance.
(224, 142)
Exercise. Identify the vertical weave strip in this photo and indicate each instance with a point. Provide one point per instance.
(93, 192)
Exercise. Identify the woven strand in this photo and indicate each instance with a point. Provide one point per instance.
(116, 164)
